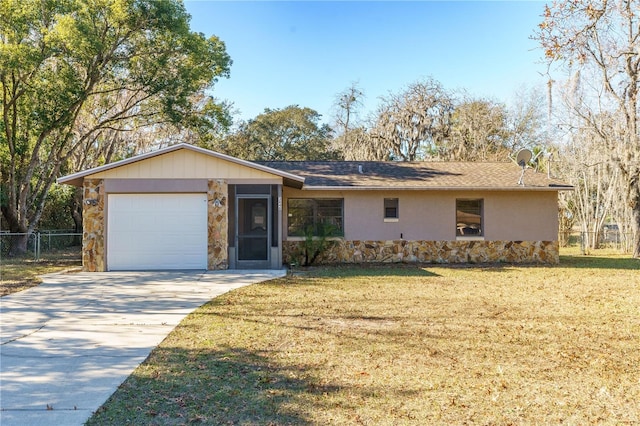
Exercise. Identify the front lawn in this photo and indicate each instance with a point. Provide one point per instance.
(17, 274)
(402, 345)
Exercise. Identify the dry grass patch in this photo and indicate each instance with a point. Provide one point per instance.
(408, 345)
(18, 275)
(22, 272)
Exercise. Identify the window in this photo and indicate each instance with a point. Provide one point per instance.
(315, 214)
(469, 218)
(391, 208)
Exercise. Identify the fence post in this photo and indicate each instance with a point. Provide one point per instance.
(38, 246)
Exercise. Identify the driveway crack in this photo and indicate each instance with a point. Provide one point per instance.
(47, 321)
(25, 335)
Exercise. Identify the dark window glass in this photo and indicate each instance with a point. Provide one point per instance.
(315, 215)
(391, 208)
(469, 218)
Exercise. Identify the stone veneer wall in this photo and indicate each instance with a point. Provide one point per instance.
(217, 252)
(93, 226)
(544, 252)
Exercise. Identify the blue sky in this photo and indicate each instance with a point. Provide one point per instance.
(306, 52)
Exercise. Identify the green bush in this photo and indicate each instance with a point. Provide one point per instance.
(316, 242)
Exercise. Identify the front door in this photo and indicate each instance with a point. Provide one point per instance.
(253, 231)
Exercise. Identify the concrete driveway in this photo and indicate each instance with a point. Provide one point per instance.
(66, 345)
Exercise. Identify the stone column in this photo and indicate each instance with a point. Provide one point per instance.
(93, 226)
(217, 211)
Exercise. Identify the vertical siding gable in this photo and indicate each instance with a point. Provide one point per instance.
(183, 164)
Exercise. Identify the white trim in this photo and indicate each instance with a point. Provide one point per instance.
(391, 219)
(437, 188)
(470, 238)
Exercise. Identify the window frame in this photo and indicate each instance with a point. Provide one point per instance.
(463, 223)
(316, 217)
(394, 218)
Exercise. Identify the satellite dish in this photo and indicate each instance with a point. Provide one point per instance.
(523, 157)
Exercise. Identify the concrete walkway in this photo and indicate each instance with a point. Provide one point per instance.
(66, 345)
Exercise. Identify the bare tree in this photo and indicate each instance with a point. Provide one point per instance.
(425, 121)
(351, 137)
(363, 146)
(590, 169)
(526, 123)
(602, 38)
(621, 215)
(413, 122)
(594, 180)
(347, 108)
(478, 132)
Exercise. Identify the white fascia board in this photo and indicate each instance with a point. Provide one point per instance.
(431, 188)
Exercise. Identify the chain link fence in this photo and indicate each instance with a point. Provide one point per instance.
(608, 239)
(51, 245)
(59, 244)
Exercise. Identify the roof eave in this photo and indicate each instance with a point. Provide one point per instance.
(71, 180)
(549, 188)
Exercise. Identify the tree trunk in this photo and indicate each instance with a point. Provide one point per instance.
(18, 243)
(636, 242)
(76, 213)
(635, 221)
(632, 178)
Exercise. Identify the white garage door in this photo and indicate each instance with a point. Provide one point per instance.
(156, 231)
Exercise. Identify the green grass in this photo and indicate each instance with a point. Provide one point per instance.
(402, 345)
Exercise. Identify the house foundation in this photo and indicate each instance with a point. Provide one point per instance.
(402, 251)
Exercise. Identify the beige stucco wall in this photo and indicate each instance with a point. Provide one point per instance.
(183, 164)
(431, 216)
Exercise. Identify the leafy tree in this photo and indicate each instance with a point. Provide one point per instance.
(56, 213)
(136, 61)
(210, 121)
(291, 133)
(598, 41)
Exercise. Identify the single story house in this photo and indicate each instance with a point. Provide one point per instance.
(184, 207)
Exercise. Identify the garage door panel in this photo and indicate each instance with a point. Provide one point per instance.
(157, 231)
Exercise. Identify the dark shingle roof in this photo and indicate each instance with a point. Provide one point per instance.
(415, 175)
